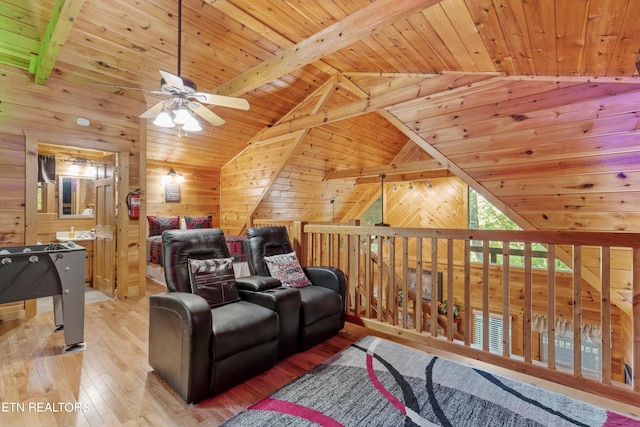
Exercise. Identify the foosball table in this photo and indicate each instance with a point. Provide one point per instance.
(57, 270)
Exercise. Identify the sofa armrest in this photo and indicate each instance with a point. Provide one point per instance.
(179, 342)
(328, 277)
(286, 303)
(332, 278)
(257, 283)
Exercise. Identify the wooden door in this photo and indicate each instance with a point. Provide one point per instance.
(104, 251)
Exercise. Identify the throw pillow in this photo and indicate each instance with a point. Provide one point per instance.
(287, 270)
(157, 224)
(214, 280)
(192, 222)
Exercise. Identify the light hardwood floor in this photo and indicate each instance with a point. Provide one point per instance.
(112, 382)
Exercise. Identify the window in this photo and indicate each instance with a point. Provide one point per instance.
(484, 216)
(41, 193)
(496, 328)
(373, 214)
(591, 365)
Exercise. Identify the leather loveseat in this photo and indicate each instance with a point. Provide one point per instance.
(200, 350)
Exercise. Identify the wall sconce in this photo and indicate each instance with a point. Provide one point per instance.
(81, 166)
(173, 177)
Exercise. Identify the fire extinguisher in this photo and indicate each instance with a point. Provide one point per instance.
(133, 204)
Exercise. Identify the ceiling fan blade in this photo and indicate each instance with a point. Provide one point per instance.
(172, 80)
(206, 114)
(221, 100)
(153, 111)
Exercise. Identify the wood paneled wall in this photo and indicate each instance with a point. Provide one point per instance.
(12, 202)
(33, 114)
(12, 197)
(199, 194)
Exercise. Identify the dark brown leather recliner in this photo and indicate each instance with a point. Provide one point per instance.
(196, 349)
(323, 309)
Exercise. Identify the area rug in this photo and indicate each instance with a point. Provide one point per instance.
(379, 383)
(90, 296)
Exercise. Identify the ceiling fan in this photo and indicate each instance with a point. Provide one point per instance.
(185, 98)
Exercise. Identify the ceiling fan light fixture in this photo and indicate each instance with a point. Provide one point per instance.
(182, 115)
(164, 120)
(192, 125)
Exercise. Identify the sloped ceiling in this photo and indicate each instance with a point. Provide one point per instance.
(532, 103)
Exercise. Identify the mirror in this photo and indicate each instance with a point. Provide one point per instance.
(76, 197)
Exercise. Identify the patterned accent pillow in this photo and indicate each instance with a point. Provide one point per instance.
(157, 224)
(193, 222)
(287, 270)
(214, 280)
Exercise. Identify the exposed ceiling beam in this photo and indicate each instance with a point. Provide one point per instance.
(349, 30)
(62, 19)
(392, 169)
(408, 177)
(445, 84)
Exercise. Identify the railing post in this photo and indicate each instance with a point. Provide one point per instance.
(352, 267)
(300, 241)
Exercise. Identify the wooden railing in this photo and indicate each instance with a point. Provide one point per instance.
(387, 271)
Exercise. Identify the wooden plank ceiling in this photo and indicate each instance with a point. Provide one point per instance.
(532, 103)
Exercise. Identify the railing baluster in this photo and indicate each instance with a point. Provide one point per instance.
(485, 295)
(467, 293)
(405, 281)
(367, 279)
(355, 280)
(393, 286)
(506, 306)
(434, 287)
(636, 320)
(527, 335)
(605, 310)
(380, 294)
(577, 310)
(551, 306)
(450, 296)
(417, 305)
